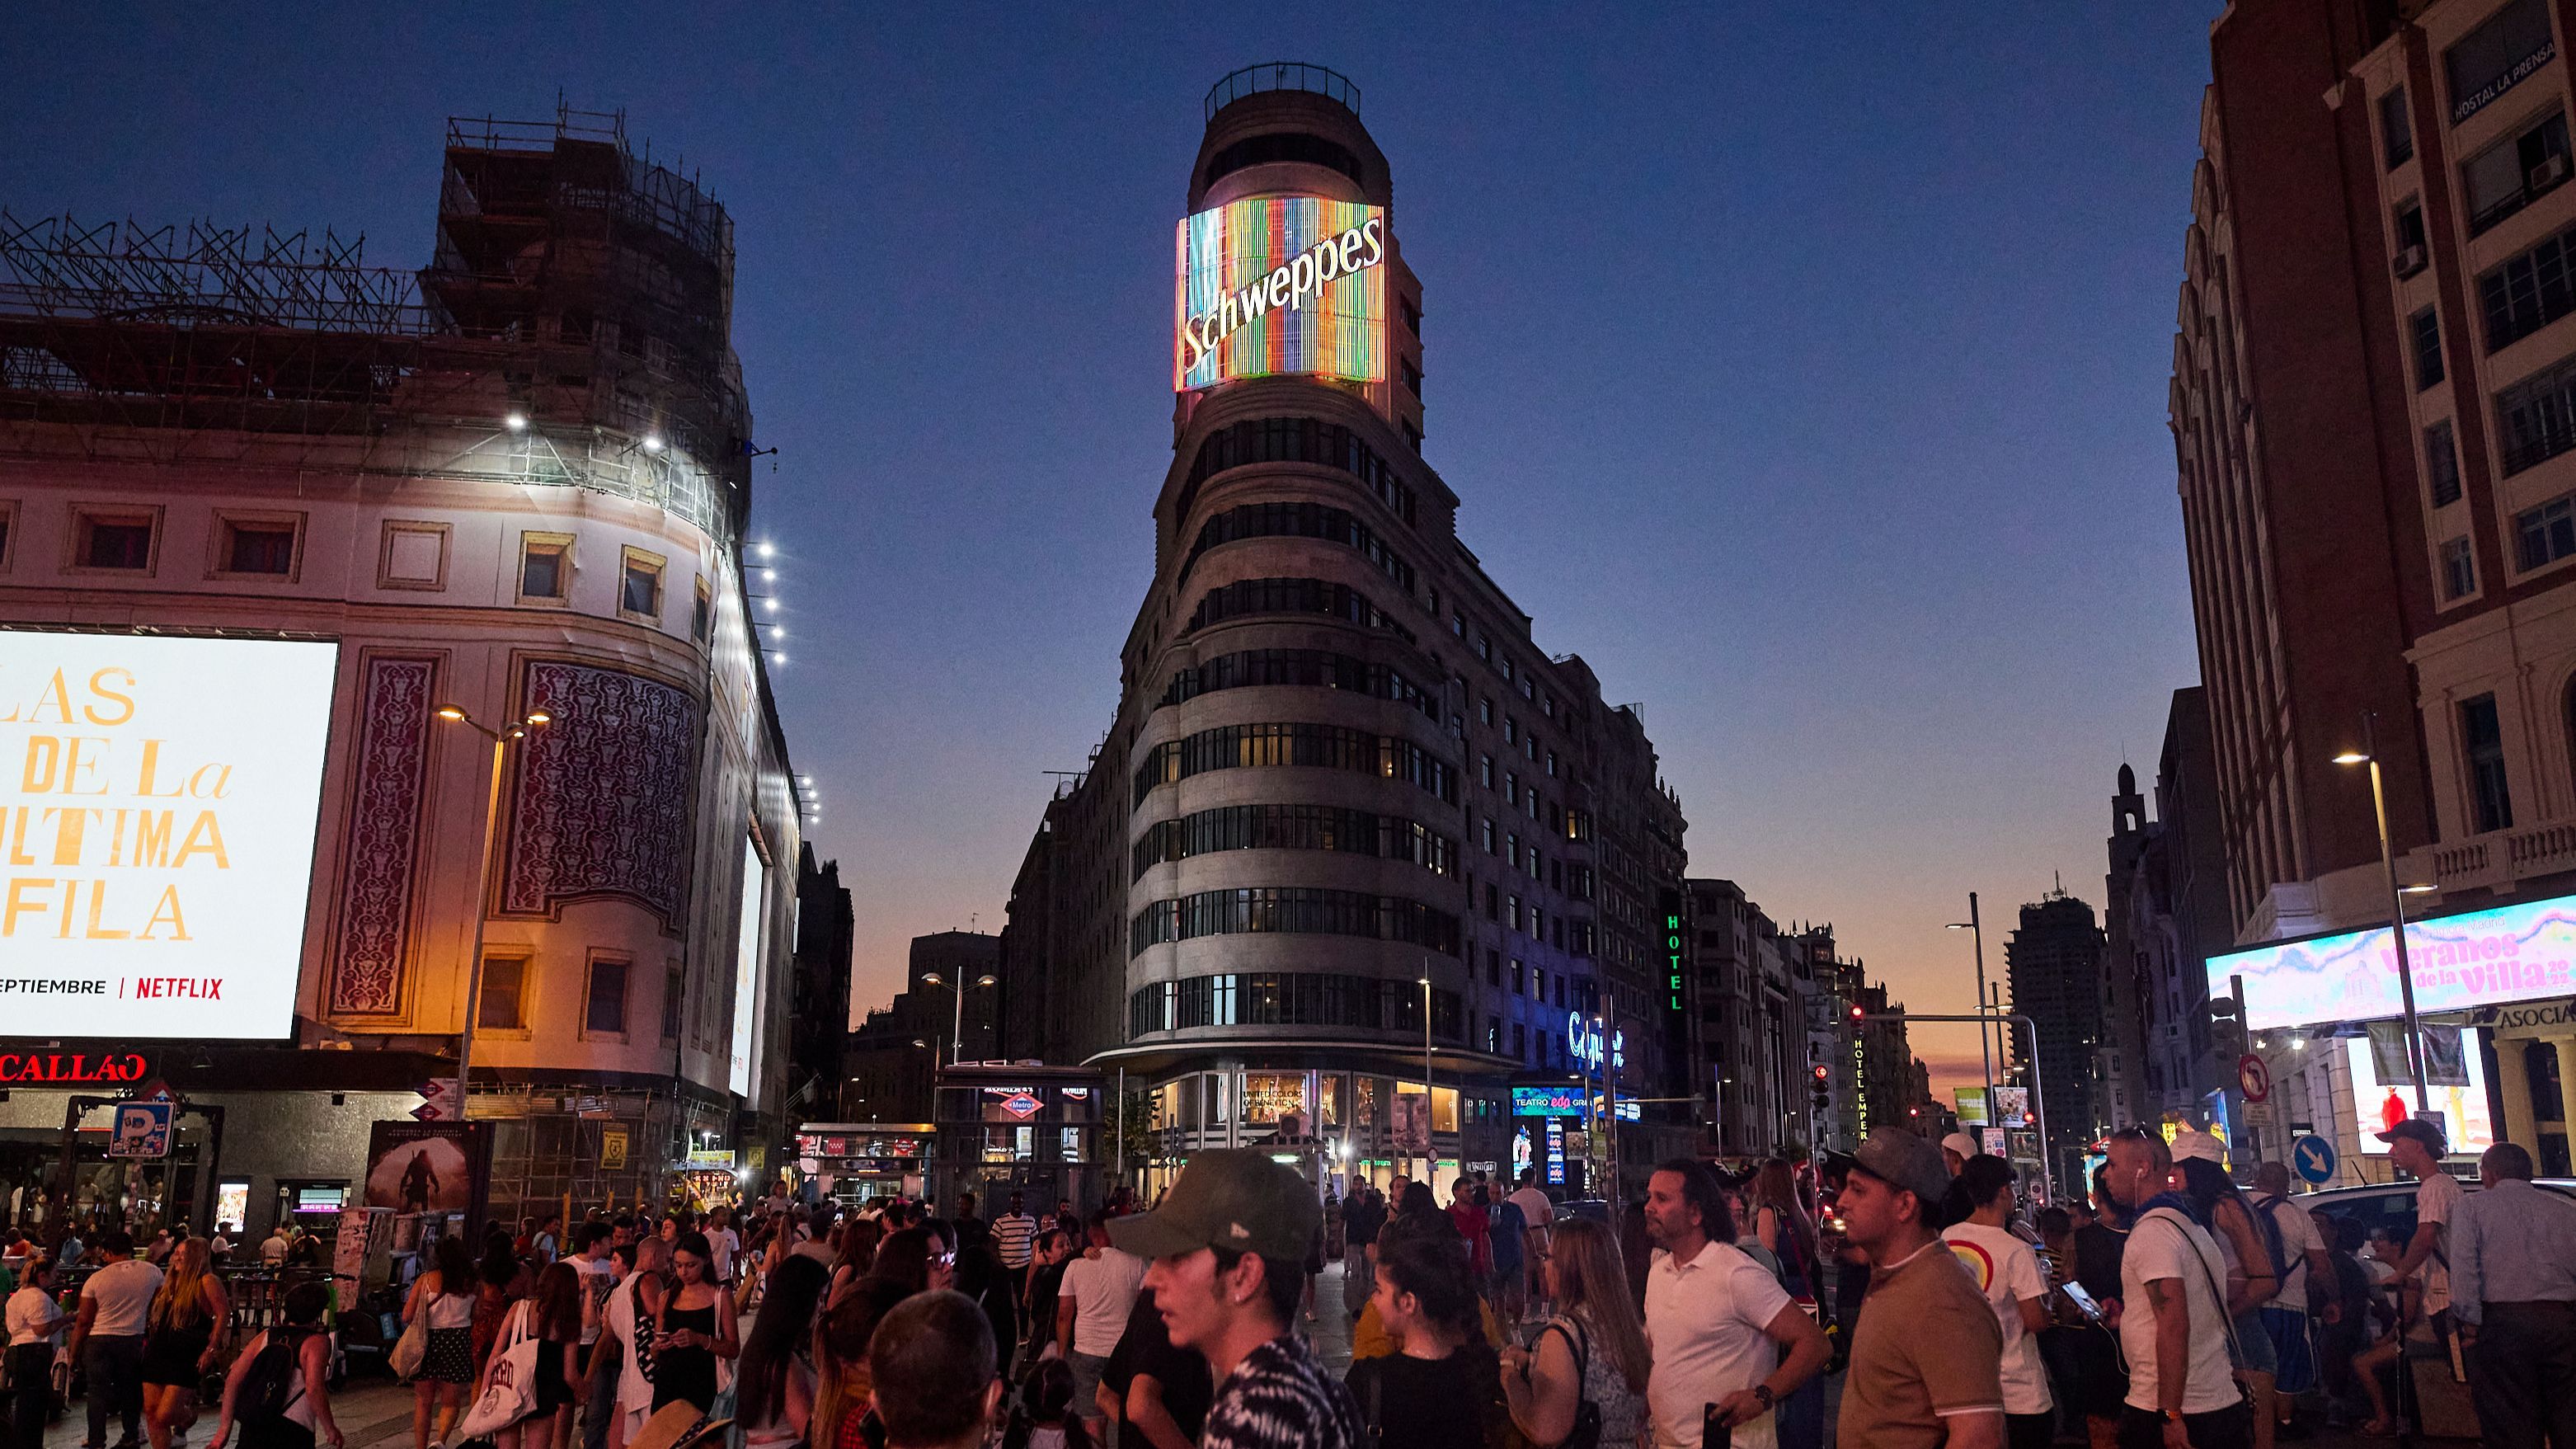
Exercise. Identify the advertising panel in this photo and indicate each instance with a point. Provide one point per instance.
(2380, 1099)
(1272, 285)
(427, 1167)
(1547, 1101)
(746, 969)
(2511, 953)
(157, 805)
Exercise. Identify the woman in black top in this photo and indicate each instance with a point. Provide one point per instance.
(1441, 1388)
(554, 1320)
(692, 1333)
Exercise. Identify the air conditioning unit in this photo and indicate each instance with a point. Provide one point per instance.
(2550, 171)
(2410, 260)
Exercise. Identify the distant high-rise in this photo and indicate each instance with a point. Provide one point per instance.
(2054, 962)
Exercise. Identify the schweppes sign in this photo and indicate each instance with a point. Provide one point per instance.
(1275, 285)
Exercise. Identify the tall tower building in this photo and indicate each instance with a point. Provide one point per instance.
(2054, 960)
(1344, 787)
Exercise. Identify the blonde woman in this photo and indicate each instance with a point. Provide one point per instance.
(1593, 1350)
(186, 1333)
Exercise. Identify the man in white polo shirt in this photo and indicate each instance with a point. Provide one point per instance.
(1716, 1320)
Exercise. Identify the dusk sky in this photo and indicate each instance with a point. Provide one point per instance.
(1803, 368)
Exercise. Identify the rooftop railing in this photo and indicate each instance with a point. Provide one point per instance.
(1283, 75)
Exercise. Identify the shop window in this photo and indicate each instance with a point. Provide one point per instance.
(503, 1007)
(605, 1012)
(639, 587)
(545, 567)
(114, 539)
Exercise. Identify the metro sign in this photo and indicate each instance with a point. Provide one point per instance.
(1021, 1105)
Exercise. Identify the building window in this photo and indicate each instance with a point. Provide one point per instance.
(257, 546)
(1489, 835)
(2425, 328)
(8, 516)
(2497, 56)
(1413, 437)
(639, 588)
(1412, 313)
(2544, 535)
(2538, 416)
(2515, 172)
(702, 615)
(674, 992)
(413, 555)
(2442, 463)
(2482, 746)
(505, 980)
(2530, 291)
(2408, 226)
(1412, 376)
(2396, 129)
(114, 540)
(2459, 570)
(545, 567)
(605, 1014)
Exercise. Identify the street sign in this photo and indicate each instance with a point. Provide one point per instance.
(2253, 1078)
(142, 1130)
(440, 1101)
(612, 1149)
(2313, 1158)
(1994, 1141)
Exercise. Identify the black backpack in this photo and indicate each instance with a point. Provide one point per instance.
(275, 1379)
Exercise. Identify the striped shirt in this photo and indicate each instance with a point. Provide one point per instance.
(1012, 1234)
(1281, 1397)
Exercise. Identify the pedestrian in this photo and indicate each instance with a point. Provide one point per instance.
(34, 1322)
(442, 1300)
(2101, 1378)
(1980, 1210)
(549, 1240)
(1475, 1225)
(1592, 1351)
(1716, 1320)
(1161, 1391)
(2175, 1330)
(858, 1255)
(595, 1262)
(931, 1374)
(2513, 1293)
(551, 1315)
(1508, 1232)
(108, 1337)
(502, 1280)
(1044, 1417)
(1049, 1256)
(191, 1319)
(2347, 1287)
(966, 1208)
(1226, 1247)
(1013, 1233)
(1956, 1149)
(1538, 1217)
(980, 1277)
(1361, 1221)
(774, 1385)
(843, 1417)
(1092, 1304)
(2285, 1316)
(1442, 1389)
(623, 1353)
(1927, 1357)
(2416, 1148)
(695, 1329)
(279, 1389)
(2251, 1250)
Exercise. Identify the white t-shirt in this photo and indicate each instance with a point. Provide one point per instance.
(2006, 1270)
(2298, 1236)
(124, 1293)
(1103, 1291)
(2438, 1201)
(722, 1244)
(1706, 1322)
(2165, 1245)
(598, 1275)
(273, 1251)
(1536, 1211)
(31, 1316)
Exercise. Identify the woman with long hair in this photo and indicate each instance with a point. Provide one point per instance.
(692, 1332)
(1593, 1350)
(185, 1336)
(502, 1281)
(1784, 1226)
(2250, 1252)
(908, 1258)
(550, 1314)
(859, 1240)
(442, 1299)
(774, 1385)
(1440, 1388)
(841, 1417)
(625, 1344)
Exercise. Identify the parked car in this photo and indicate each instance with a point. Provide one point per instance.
(2391, 1205)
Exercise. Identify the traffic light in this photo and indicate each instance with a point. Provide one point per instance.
(1822, 1097)
(1856, 1013)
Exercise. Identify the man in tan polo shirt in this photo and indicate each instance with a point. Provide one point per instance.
(1926, 1360)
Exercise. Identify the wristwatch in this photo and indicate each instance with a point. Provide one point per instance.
(2173, 1416)
(1763, 1392)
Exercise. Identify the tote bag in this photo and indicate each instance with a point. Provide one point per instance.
(509, 1384)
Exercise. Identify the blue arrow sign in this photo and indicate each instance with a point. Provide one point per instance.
(2313, 1158)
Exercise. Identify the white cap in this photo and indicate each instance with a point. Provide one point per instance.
(2192, 1142)
(1962, 1144)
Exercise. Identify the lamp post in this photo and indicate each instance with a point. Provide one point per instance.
(1976, 928)
(1430, 1145)
(957, 1021)
(501, 739)
(2368, 754)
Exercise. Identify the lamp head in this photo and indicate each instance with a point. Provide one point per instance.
(2417, 890)
(450, 712)
(2352, 757)
(538, 717)
(983, 980)
(934, 978)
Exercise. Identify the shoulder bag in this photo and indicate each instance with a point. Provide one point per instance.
(1586, 1433)
(509, 1382)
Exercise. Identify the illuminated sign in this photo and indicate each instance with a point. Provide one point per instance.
(1274, 285)
(2520, 952)
(1673, 956)
(1547, 1101)
(157, 805)
(1021, 1105)
(1555, 1129)
(2462, 1103)
(1583, 1040)
(746, 970)
(71, 1069)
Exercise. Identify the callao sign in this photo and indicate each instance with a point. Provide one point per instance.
(72, 1069)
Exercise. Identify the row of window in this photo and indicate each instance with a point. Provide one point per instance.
(2530, 291)
(1329, 747)
(1300, 520)
(1292, 596)
(1295, 827)
(1311, 668)
(1293, 910)
(1298, 440)
(1289, 998)
(509, 985)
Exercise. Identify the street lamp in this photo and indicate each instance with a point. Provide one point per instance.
(2368, 754)
(1430, 1145)
(957, 1024)
(501, 739)
(1976, 928)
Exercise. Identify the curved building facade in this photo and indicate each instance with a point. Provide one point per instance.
(1347, 789)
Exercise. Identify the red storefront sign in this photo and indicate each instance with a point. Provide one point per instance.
(72, 1069)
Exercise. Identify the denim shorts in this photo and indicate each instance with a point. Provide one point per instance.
(2254, 1341)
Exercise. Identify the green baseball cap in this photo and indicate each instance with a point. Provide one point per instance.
(1234, 1198)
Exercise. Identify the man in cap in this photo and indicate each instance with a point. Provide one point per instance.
(1956, 1149)
(2513, 1272)
(1228, 1250)
(2415, 1147)
(1927, 1357)
(2174, 1328)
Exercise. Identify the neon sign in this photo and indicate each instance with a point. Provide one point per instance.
(1584, 1040)
(1280, 284)
(1673, 955)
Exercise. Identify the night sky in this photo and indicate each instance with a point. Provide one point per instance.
(1805, 375)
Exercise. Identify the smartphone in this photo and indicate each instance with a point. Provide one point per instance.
(2083, 1302)
(1713, 1432)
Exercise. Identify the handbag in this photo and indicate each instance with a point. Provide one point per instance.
(412, 1348)
(1586, 1433)
(509, 1382)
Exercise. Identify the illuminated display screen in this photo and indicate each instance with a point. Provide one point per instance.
(157, 805)
(746, 971)
(2478, 958)
(1547, 1101)
(1274, 285)
(2462, 1103)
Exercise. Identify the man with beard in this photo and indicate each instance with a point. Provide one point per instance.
(1716, 1320)
(1927, 1355)
(2174, 1327)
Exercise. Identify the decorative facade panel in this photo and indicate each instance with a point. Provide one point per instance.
(381, 865)
(601, 799)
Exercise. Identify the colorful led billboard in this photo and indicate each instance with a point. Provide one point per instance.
(1275, 285)
(2477, 958)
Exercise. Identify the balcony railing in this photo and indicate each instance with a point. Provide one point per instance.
(2498, 859)
(1283, 75)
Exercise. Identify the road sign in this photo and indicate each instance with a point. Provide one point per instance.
(2313, 1159)
(142, 1130)
(1994, 1141)
(440, 1101)
(2253, 1078)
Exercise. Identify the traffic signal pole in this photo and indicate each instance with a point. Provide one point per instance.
(2038, 1098)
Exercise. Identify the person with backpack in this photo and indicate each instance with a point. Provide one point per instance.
(2250, 1244)
(2304, 1265)
(278, 1388)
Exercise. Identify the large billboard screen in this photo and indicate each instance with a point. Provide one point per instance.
(743, 1063)
(2477, 958)
(1273, 285)
(157, 805)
